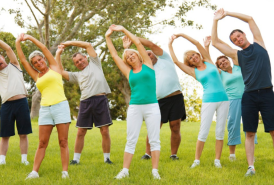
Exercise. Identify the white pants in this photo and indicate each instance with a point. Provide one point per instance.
(135, 116)
(208, 110)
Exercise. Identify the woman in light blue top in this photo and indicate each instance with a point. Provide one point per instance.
(200, 66)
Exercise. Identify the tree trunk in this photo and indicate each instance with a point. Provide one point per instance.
(124, 87)
(35, 104)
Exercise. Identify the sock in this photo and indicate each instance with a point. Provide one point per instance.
(24, 157)
(76, 157)
(147, 154)
(125, 170)
(2, 157)
(156, 170)
(217, 160)
(66, 172)
(173, 155)
(35, 172)
(106, 155)
(232, 155)
(252, 167)
(197, 161)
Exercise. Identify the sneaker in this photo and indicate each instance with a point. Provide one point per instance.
(73, 162)
(217, 164)
(32, 175)
(250, 172)
(25, 162)
(194, 165)
(156, 175)
(2, 162)
(146, 157)
(232, 158)
(174, 157)
(122, 174)
(108, 161)
(65, 175)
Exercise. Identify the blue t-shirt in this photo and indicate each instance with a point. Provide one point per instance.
(210, 79)
(255, 64)
(233, 83)
(167, 80)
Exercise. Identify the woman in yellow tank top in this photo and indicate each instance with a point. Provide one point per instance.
(54, 106)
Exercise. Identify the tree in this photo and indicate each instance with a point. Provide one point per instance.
(88, 20)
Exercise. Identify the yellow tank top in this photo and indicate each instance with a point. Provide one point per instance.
(51, 87)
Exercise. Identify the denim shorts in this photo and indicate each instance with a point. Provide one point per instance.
(54, 114)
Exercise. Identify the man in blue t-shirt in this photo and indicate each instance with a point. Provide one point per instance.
(256, 70)
(168, 91)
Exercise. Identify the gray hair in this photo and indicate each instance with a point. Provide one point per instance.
(34, 54)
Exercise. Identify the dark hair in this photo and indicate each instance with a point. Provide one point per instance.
(236, 30)
(223, 56)
(75, 54)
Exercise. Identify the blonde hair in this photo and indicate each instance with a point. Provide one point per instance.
(34, 54)
(133, 50)
(187, 53)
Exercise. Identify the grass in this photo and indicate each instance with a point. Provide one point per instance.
(92, 170)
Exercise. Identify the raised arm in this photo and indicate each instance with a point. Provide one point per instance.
(221, 46)
(252, 25)
(86, 45)
(154, 48)
(32, 72)
(135, 41)
(125, 69)
(207, 41)
(200, 48)
(188, 70)
(59, 62)
(10, 54)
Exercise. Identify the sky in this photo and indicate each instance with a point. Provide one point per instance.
(261, 11)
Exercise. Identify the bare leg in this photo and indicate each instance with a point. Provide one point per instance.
(4, 145)
(63, 143)
(24, 144)
(105, 139)
(199, 149)
(155, 155)
(232, 149)
(44, 135)
(127, 160)
(80, 138)
(272, 135)
(249, 147)
(218, 149)
(175, 139)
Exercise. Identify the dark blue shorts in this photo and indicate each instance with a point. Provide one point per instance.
(11, 111)
(254, 102)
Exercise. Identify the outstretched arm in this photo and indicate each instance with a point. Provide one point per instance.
(154, 48)
(252, 25)
(32, 72)
(135, 41)
(10, 54)
(59, 62)
(188, 70)
(200, 48)
(207, 41)
(86, 45)
(221, 46)
(125, 69)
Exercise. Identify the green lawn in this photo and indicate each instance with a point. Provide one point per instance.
(92, 170)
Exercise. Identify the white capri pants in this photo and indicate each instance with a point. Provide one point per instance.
(135, 116)
(208, 110)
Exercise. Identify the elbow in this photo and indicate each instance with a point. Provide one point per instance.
(250, 19)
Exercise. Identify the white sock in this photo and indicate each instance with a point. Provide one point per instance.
(24, 157)
(125, 170)
(197, 161)
(35, 172)
(76, 157)
(66, 172)
(156, 170)
(252, 167)
(147, 154)
(217, 160)
(232, 155)
(2, 157)
(106, 155)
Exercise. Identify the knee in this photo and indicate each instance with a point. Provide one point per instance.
(63, 143)
(175, 128)
(250, 135)
(81, 132)
(23, 137)
(104, 131)
(42, 144)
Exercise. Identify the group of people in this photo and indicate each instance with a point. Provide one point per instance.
(243, 90)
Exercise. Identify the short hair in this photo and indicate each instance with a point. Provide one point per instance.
(223, 56)
(34, 54)
(189, 52)
(75, 54)
(233, 31)
(133, 50)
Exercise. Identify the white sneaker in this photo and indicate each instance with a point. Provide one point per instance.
(25, 162)
(232, 158)
(156, 175)
(2, 162)
(32, 175)
(217, 164)
(195, 164)
(122, 174)
(65, 175)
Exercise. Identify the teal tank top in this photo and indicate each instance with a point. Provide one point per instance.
(233, 83)
(142, 86)
(210, 79)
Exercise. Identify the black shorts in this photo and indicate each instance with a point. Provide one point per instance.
(172, 108)
(254, 102)
(94, 110)
(11, 111)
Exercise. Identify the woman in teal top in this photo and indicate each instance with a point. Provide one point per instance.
(138, 69)
(201, 67)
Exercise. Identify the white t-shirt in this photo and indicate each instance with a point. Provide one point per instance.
(167, 80)
(91, 80)
(11, 82)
